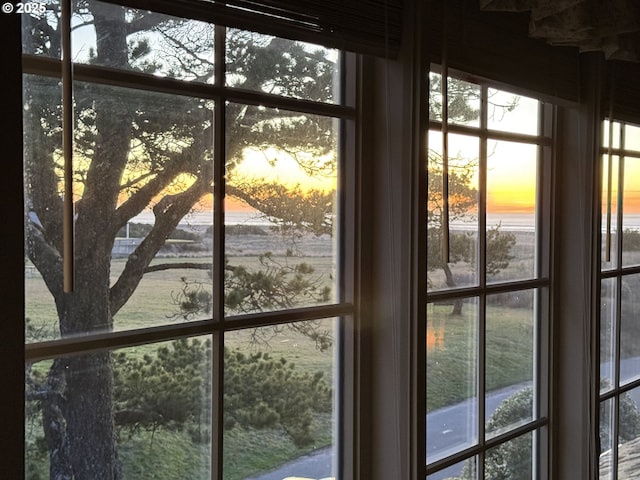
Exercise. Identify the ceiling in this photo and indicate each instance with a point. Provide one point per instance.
(609, 26)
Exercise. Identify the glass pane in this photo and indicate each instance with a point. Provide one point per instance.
(628, 435)
(452, 377)
(605, 134)
(435, 97)
(630, 329)
(40, 32)
(281, 186)
(142, 184)
(464, 102)
(508, 112)
(607, 333)
(280, 389)
(142, 41)
(282, 67)
(42, 140)
(610, 211)
(510, 358)
(606, 439)
(143, 411)
(631, 213)
(512, 460)
(632, 137)
(466, 470)
(461, 269)
(511, 206)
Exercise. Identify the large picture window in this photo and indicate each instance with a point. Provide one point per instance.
(188, 271)
(619, 279)
(487, 311)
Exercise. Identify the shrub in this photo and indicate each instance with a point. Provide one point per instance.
(512, 460)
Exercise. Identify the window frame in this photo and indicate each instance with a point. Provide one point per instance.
(345, 307)
(540, 282)
(616, 272)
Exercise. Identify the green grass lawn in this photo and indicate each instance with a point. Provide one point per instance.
(167, 454)
(452, 370)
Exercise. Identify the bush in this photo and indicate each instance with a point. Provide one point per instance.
(169, 390)
(631, 240)
(262, 392)
(512, 460)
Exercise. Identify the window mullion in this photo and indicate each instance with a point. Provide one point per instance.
(482, 384)
(482, 278)
(67, 146)
(620, 200)
(219, 156)
(482, 191)
(444, 83)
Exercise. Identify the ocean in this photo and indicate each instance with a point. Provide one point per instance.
(205, 218)
(508, 221)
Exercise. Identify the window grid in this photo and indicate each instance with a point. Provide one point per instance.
(100, 75)
(614, 152)
(342, 309)
(539, 283)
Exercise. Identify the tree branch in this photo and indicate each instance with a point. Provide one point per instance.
(169, 211)
(179, 162)
(46, 259)
(147, 22)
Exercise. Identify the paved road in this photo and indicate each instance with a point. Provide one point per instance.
(316, 465)
(447, 431)
(449, 428)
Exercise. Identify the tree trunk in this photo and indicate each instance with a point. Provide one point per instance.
(89, 416)
(54, 424)
(451, 283)
(89, 377)
(80, 429)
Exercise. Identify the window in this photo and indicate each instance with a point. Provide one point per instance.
(195, 175)
(487, 307)
(619, 308)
